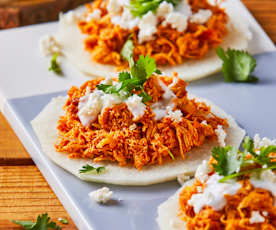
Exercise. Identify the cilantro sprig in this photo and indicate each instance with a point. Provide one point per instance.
(55, 67)
(140, 7)
(89, 168)
(237, 65)
(140, 72)
(232, 163)
(127, 51)
(43, 222)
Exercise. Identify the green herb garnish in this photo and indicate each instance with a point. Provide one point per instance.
(232, 163)
(55, 67)
(127, 52)
(237, 65)
(42, 223)
(89, 168)
(63, 220)
(140, 71)
(171, 155)
(140, 7)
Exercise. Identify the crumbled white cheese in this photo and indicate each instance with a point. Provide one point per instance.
(126, 20)
(147, 27)
(114, 6)
(201, 17)
(177, 17)
(204, 122)
(177, 21)
(164, 9)
(102, 195)
(213, 194)
(133, 127)
(108, 100)
(202, 171)
(48, 45)
(256, 217)
(182, 178)
(89, 107)
(136, 106)
(175, 115)
(265, 213)
(168, 93)
(266, 180)
(221, 135)
(96, 14)
(262, 142)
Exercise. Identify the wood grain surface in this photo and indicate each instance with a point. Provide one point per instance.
(24, 193)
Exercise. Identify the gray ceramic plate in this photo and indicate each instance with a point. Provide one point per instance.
(253, 105)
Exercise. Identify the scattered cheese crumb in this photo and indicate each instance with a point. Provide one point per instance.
(221, 134)
(136, 106)
(164, 9)
(199, 189)
(182, 178)
(256, 217)
(114, 7)
(48, 45)
(177, 21)
(96, 14)
(201, 17)
(265, 213)
(202, 171)
(147, 27)
(262, 142)
(204, 122)
(102, 195)
(175, 115)
(133, 126)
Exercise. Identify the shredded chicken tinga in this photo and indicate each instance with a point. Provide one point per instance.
(236, 213)
(170, 47)
(111, 138)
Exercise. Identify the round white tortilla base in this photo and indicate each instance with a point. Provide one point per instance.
(72, 42)
(45, 124)
(167, 217)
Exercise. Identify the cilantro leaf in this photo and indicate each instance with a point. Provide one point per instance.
(143, 68)
(248, 145)
(237, 65)
(140, 7)
(110, 89)
(42, 223)
(263, 158)
(89, 168)
(146, 97)
(231, 163)
(228, 160)
(140, 71)
(127, 51)
(55, 67)
(63, 220)
(124, 76)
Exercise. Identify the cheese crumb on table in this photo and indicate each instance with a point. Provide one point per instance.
(48, 45)
(102, 195)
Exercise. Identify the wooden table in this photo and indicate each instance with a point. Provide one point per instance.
(24, 193)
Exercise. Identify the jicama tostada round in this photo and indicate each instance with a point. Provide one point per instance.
(72, 40)
(235, 190)
(138, 143)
